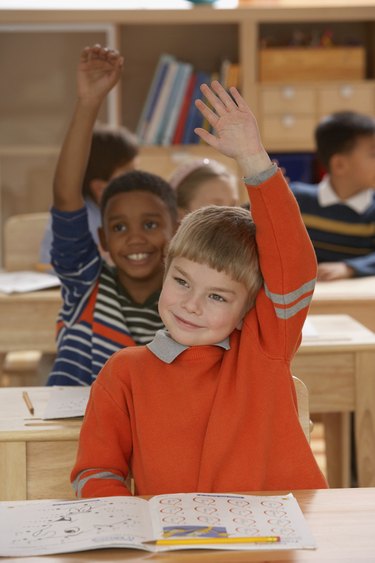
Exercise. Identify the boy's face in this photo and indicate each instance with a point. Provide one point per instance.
(359, 165)
(215, 191)
(137, 226)
(200, 305)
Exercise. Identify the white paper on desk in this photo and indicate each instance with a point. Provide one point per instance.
(66, 402)
(22, 282)
(308, 330)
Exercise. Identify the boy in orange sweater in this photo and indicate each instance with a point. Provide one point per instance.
(209, 405)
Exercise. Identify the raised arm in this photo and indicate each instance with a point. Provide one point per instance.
(98, 71)
(286, 256)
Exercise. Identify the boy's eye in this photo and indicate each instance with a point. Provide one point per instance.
(150, 225)
(181, 281)
(119, 227)
(216, 297)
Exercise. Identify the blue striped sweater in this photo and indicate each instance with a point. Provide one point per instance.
(338, 233)
(97, 317)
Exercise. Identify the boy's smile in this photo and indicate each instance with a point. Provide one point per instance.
(137, 228)
(199, 305)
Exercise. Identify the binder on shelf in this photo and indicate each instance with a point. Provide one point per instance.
(194, 117)
(179, 132)
(175, 102)
(162, 109)
(153, 94)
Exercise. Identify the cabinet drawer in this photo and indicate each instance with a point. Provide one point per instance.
(288, 128)
(287, 98)
(346, 97)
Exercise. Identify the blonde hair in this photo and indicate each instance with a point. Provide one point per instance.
(223, 238)
(188, 178)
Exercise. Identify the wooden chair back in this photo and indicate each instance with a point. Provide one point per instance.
(303, 406)
(23, 235)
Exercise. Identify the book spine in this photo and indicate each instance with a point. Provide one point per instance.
(194, 118)
(179, 132)
(176, 101)
(161, 108)
(152, 96)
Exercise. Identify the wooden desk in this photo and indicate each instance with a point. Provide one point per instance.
(36, 459)
(354, 297)
(341, 521)
(28, 321)
(338, 369)
(36, 456)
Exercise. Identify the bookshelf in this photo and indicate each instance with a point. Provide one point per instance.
(38, 79)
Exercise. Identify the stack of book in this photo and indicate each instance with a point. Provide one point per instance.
(169, 115)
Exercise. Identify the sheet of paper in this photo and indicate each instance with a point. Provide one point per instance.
(66, 402)
(22, 282)
(215, 515)
(46, 527)
(308, 330)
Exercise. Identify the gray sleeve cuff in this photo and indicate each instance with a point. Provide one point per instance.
(262, 177)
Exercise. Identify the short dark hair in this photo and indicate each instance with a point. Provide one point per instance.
(140, 181)
(111, 148)
(338, 133)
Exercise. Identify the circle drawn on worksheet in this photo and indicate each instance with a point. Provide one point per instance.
(240, 511)
(209, 519)
(238, 501)
(204, 500)
(173, 519)
(271, 503)
(169, 501)
(171, 510)
(205, 509)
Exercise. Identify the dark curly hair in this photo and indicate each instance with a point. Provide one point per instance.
(138, 180)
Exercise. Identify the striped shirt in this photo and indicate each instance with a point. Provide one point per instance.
(338, 232)
(97, 317)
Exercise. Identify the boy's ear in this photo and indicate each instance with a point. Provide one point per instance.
(102, 239)
(338, 164)
(97, 188)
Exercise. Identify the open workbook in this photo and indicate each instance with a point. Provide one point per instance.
(163, 523)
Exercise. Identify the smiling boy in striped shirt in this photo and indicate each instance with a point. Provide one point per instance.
(105, 308)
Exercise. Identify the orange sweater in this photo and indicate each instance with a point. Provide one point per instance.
(213, 420)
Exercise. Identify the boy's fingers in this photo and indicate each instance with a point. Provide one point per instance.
(223, 95)
(213, 99)
(240, 102)
(206, 112)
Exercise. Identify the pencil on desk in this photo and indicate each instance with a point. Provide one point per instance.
(206, 541)
(29, 404)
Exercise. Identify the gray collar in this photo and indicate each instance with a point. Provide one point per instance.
(167, 349)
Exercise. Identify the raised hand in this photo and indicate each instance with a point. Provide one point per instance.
(99, 69)
(236, 132)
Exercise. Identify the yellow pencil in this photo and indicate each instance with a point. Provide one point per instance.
(205, 541)
(28, 403)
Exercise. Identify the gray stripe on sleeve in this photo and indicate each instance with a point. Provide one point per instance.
(286, 298)
(291, 311)
(78, 483)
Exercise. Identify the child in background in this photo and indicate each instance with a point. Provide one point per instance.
(209, 405)
(114, 151)
(202, 182)
(105, 309)
(339, 213)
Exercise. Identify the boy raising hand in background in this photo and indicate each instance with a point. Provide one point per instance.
(209, 405)
(105, 308)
